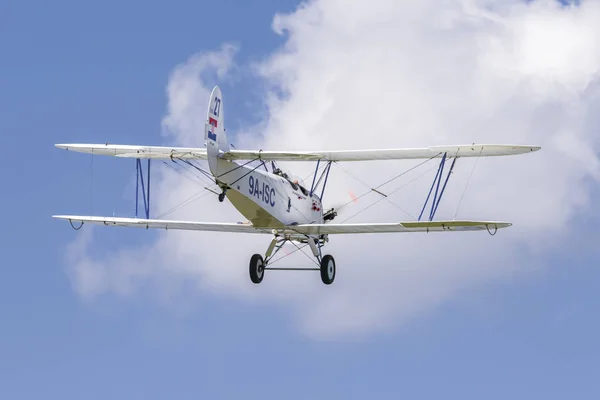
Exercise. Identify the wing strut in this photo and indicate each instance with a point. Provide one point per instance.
(325, 182)
(436, 182)
(324, 173)
(312, 186)
(145, 193)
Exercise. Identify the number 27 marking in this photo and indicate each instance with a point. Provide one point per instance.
(217, 108)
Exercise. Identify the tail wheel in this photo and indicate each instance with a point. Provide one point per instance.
(327, 269)
(257, 268)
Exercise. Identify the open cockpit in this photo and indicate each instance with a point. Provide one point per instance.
(294, 181)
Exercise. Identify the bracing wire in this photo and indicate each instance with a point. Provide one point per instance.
(183, 171)
(372, 190)
(209, 176)
(287, 255)
(239, 166)
(467, 184)
(92, 185)
(392, 192)
(388, 181)
(200, 177)
(350, 174)
(245, 175)
(302, 251)
(193, 198)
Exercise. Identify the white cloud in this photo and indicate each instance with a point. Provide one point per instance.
(393, 74)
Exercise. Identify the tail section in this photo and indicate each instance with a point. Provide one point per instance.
(214, 132)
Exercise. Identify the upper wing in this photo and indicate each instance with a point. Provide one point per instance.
(338, 155)
(127, 151)
(383, 154)
(305, 229)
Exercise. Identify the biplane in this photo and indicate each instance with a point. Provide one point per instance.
(277, 204)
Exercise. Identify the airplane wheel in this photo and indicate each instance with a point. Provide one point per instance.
(257, 268)
(327, 269)
(221, 197)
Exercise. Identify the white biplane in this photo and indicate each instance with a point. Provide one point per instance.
(274, 202)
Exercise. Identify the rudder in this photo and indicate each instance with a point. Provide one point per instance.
(214, 132)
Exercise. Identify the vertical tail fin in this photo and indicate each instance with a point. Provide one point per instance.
(214, 131)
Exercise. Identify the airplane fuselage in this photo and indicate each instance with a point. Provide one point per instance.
(267, 199)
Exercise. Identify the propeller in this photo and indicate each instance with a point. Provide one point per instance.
(334, 211)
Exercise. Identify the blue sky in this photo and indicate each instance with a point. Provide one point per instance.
(75, 73)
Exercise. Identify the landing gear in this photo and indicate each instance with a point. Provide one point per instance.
(326, 264)
(224, 191)
(327, 269)
(257, 268)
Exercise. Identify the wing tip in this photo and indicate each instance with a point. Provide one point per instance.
(70, 217)
(80, 147)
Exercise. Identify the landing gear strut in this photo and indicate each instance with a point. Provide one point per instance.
(258, 264)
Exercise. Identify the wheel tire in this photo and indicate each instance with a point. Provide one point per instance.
(327, 269)
(257, 268)
(221, 197)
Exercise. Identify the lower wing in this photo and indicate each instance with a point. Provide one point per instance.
(304, 229)
(411, 226)
(166, 224)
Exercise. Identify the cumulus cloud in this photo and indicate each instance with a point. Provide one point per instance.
(391, 74)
